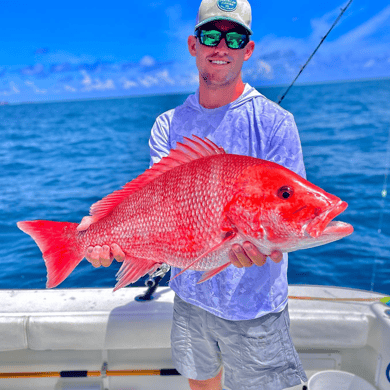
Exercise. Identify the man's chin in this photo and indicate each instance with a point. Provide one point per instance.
(217, 82)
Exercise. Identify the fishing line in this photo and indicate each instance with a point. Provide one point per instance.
(382, 207)
(314, 52)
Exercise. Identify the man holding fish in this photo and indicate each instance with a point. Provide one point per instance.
(242, 326)
(223, 221)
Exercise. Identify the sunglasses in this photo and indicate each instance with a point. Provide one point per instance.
(233, 39)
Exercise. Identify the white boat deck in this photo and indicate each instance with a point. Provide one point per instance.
(80, 329)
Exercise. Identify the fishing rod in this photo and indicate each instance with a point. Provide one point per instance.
(314, 52)
(88, 374)
(385, 300)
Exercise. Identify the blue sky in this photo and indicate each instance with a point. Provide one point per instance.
(86, 49)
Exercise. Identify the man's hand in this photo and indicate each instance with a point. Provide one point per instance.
(104, 255)
(247, 255)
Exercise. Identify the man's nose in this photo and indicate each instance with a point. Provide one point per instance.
(222, 46)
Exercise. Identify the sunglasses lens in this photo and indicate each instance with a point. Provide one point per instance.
(236, 40)
(210, 38)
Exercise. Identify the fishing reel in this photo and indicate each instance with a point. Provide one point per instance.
(152, 283)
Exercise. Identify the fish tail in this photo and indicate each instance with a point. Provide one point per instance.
(59, 245)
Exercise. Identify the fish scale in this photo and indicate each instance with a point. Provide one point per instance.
(187, 211)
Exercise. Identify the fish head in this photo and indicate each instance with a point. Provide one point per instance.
(275, 204)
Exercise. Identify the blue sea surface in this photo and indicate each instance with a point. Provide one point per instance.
(59, 158)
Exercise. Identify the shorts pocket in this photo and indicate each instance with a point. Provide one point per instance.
(180, 338)
(262, 351)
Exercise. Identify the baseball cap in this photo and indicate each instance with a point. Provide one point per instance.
(238, 11)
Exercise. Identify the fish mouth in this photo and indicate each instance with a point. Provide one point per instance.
(323, 224)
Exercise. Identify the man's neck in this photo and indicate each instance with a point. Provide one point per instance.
(210, 97)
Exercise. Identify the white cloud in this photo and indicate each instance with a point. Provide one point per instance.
(96, 84)
(365, 29)
(369, 64)
(352, 54)
(14, 87)
(127, 84)
(265, 69)
(34, 87)
(265, 66)
(260, 70)
(69, 88)
(194, 78)
(165, 77)
(11, 90)
(87, 81)
(147, 61)
(273, 48)
(108, 84)
(188, 79)
(321, 25)
(148, 81)
(161, 77)
(33, 70)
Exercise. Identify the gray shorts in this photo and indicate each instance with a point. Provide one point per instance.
(255, 354)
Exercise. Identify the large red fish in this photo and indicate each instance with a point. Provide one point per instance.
(187, 211)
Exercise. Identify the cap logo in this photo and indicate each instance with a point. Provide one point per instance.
(227, 5)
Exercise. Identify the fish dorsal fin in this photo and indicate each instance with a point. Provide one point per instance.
(189, 150)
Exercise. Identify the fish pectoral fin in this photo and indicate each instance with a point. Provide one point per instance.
(85, 223)
(209, 274)
(132, 269)
(228, 236)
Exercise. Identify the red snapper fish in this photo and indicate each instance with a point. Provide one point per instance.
(187, 211)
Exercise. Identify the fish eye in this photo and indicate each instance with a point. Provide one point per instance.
(285, 192)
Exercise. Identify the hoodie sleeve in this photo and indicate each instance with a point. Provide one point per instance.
(285, 146)
(159, 138)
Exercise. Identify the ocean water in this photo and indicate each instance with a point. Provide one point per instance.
(58, 158)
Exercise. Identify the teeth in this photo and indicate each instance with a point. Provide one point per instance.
(219, 62)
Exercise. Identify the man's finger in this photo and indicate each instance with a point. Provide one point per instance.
(117, 252)
(233, 259)
(95, 256)
(276, 256)
(105, 260)
(88, 253)
(254, 254)
(241, 255)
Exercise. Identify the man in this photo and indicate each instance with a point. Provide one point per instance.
(238, 319)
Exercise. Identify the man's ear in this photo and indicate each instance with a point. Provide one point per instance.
(249, 50)
(192, 45)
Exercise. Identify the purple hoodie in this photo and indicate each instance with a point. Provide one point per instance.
(254, 126)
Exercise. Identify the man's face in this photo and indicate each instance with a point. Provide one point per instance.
(219, 66)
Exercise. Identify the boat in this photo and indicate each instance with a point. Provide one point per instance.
(97, 339)
(65, 339)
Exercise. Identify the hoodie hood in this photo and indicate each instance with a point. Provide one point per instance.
(249, 93)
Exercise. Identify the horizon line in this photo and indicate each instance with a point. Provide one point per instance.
(136, 96)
